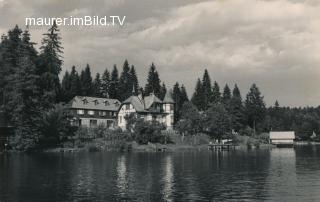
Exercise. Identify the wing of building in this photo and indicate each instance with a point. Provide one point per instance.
(93, 111)
(150, 108)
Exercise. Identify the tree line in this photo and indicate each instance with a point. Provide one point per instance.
(222, 114)
(30, 93)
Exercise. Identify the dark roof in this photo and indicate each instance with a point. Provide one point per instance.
(94, 103)
(168, 98)
(142, 105)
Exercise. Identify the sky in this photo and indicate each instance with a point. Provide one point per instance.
(273, 43)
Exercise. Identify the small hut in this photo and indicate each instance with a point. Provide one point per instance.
(282, 138)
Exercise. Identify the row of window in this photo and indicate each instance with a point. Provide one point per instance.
(92, 113)
(96, 102)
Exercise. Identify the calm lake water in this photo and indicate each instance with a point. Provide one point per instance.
(248, 175)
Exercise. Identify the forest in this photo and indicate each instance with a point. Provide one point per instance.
(32, 97)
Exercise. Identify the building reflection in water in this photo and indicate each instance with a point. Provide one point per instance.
(168, 178)
(282, 179)
(122, 175)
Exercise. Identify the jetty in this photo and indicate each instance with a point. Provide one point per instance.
(220, 147)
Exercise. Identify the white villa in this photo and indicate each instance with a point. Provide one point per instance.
(149, 108)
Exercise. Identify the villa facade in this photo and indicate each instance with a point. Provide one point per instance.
(93, 111)
(150, 108)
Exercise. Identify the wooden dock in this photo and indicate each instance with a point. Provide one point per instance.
(220, 147)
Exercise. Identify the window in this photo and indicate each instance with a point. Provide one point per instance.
(106, 103)
(93, 122)
(128, 107)
(171, 107)
(120, 119)
(85, 101)
(95, 102)
(80, 111)
(90, 112)
(102, 113)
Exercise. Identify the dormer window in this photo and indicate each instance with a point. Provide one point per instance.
(106, 103)
(85, 101)
(116, 103)
(95, 102)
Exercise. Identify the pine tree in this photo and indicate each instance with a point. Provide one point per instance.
(105, 83)
(97, 86)
(226, 97)
(216, 95)
(237, 110)
(66, 87)
(198, 98)
(86, 82)
(176, 95)
(134, 83)
(255, 107)
(207, 89)
(183, 94)
(113, 92)
(51, 62)
(75, 88)
(163, 91)
(153, 82)
(124, 89)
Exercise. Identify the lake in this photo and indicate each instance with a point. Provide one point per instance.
(242, 175)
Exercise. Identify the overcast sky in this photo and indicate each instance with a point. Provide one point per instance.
(273, 43)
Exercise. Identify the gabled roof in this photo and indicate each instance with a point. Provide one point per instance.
(94, 103)
(142, 104)
(280, 135)
(149, 100)
(136, 102)
(168, 98)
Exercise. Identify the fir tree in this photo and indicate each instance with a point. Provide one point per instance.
(86, 82)
(237, 110)
(207, 89)
(216, 95)
(66, 87)
(163, 91)
(153, 82)
(113, 92)
(125, 90)
(51, 62)
(255, 107)
(176, 95)
(134, 83)
(97, 86)
(198, 98)
(75, 88)
(226, 97)
(105, 83)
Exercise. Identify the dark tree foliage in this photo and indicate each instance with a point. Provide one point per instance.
(179, 96)
(198, 98)
(237, 110)
(105, 83)
(133, 81)
(86, 82)
(190, 122)
(217, 122)
(153, 82)
(207, 89)
(114, 84)
(255, 107)
(96, 85)
(216, 95)
(163, 91)
(125, 86)
(50, 65)
(226, 97)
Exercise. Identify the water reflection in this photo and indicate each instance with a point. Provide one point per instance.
(282, 178)
(122, 176)
(168, 178)
(242, 175)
